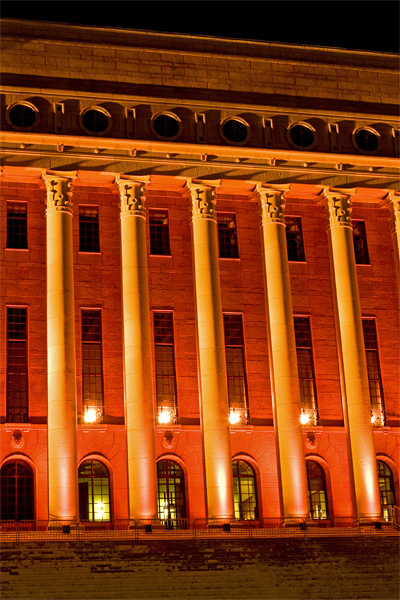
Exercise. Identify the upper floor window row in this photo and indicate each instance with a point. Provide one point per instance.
(235, 130)
(89, 233)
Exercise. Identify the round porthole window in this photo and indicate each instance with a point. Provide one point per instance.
(366, 140)
(166, 126)
(235, 131)
(23, 116)
(302, 136)
(95, 121)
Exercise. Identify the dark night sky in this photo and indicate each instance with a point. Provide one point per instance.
(363, 25)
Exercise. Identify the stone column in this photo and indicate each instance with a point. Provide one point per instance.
(356, 398)
(211, 355)
(61, 376)
(139, 408)
(283, 358)
(394, 208)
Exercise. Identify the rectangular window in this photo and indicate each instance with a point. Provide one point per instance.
(89, 235)
(236, 369)
(360, 243)
(374, 372)
(17, 365)
(305, 365)
(92, 365)
(227, 235)
(294, 239)
(165, 367)
(159, 232)
(17, 225)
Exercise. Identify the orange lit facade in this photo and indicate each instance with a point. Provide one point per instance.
(200, 277)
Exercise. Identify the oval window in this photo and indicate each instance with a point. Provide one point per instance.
(235, 131)
(302, 136)
(366, 140)
(166, 126)
(23, 116)
(96, 121)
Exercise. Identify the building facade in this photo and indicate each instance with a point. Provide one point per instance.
(200, 277)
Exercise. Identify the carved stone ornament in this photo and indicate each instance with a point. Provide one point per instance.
(394, 209)
(168, 440)
(17, 441)
(272, 205)
(203, 202)
(311, 440)
(339, 210)
(132, 200)
(58, 193)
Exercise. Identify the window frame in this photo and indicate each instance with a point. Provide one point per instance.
(98, 407)
(91, 460)
(219, 230)
(378, 412)
(296, 218)
(23, 407)
(153, 243)
(324, 490)
(30, 516)
(89, 206)
(17, 203)
(365, 238)
(178, 521)
(255, 482)
(313, 411)
(244, 411)
(166, 404)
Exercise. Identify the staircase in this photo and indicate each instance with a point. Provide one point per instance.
(313, 568)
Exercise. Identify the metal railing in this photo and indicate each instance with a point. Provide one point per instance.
(156, 529)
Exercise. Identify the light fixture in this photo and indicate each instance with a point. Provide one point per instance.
(377, 418)
(166, 416)
(234, 417)
(92, 414)
(304, 418)
(100, 510)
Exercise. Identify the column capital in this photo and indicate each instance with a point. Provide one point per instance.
(272, 204)
(132, 198)
(202, 201)
(339, 209)
(58, 188)
(394, 209)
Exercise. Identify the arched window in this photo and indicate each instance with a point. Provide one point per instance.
(244, 490)
(94, 491)
(317, 499)
(16, 491)
(386, 488)
(171, 491)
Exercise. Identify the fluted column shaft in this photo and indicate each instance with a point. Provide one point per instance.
(211, 355)
(356, 397)
(138, 380)
(61, 375)
(283, 358)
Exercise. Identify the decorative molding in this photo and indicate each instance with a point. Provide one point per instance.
(272, 204)
(58, 190)
(203, 202)
(339, 210)
(394, 210)
(132, 199)
(17, 440)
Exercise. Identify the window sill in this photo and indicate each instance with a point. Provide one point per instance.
(161, 255)
(18, 249)
(88, 252)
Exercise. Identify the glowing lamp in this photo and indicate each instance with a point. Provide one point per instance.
(234, 417)
(90, 415)
(165, 417)
(304, 418)
(100, 510)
